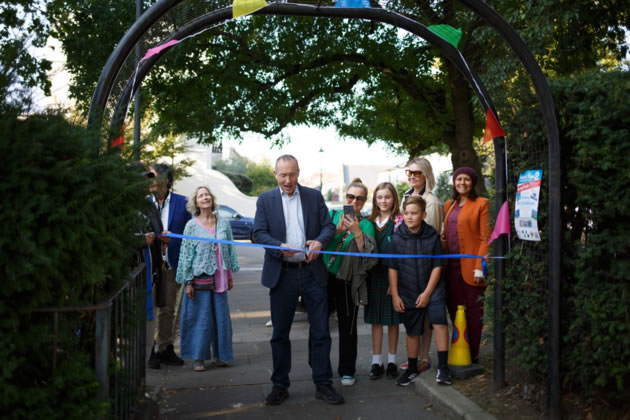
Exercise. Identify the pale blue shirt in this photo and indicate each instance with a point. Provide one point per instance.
(294, 222)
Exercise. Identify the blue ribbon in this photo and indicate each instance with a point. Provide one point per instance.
(484, 264)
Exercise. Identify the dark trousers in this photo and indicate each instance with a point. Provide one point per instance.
(347, 313)
(458, 292)
(284, 297)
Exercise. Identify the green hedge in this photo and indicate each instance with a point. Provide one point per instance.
(69, 213)
(594, 120)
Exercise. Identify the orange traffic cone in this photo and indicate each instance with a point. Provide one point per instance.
(459, 354)
(459, 360)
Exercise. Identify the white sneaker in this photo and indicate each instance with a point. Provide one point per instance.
(269, 324)
(348, 380)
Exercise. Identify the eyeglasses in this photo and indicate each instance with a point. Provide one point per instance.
(409, 173)
(352, 197)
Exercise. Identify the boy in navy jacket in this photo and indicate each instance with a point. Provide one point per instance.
(416, 288)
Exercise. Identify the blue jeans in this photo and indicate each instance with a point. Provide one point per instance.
(284, 297)
(206, 327)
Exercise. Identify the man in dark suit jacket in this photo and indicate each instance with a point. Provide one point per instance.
(174, 216)
(293, 216)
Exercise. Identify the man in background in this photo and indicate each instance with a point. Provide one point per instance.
(173, 214)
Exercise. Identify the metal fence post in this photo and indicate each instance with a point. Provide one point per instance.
(499, 265)
(101, 353)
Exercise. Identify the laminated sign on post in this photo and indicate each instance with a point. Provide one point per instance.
(526, 208)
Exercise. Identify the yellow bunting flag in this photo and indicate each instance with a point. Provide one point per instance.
(246, 7)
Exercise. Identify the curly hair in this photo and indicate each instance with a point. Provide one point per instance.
(191, 204)
(164, 169)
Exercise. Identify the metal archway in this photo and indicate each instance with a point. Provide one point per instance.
(130, 40)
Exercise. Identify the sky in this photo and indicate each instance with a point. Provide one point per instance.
(305, 144)
(59, 77)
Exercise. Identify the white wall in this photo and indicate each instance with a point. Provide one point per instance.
(220, 185)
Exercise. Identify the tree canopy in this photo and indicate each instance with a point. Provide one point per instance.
(23, 29)
(369, 80)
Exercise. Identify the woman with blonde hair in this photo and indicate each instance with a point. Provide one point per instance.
(419, 174)
(380, 311)
(347, 275)
(422, 182)
(206, 269)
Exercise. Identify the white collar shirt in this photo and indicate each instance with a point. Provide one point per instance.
(163, 210)
(294, 222)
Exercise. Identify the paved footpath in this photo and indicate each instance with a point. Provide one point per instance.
(238, 391)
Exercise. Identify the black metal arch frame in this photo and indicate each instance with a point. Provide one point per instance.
(130, 40)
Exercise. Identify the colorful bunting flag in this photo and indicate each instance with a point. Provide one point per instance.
(246, 7)
(493, 129)
(357, 4)
(156, 50)
(120, 140)
(447, 33)
(502, 224)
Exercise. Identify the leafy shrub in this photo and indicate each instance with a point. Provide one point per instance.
(596, 113)
(594, 120)
(68, 216)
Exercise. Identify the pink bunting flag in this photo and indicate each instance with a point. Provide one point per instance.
(502, 224)
(156, 50)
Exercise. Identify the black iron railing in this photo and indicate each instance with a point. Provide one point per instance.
(119, 325)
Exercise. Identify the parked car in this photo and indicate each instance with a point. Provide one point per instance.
(241, 226)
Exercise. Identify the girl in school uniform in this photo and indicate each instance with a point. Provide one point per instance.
(379, 310)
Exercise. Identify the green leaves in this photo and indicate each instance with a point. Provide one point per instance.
(22, 29)
(594, 118)
(69, 216)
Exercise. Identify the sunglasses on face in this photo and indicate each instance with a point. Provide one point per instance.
(410, 173)
(352, 197)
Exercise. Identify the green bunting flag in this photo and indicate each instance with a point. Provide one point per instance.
(447, 33)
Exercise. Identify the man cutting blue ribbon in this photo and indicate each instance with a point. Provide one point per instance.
(293, 216)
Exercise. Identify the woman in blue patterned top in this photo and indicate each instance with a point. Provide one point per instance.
(206, 269)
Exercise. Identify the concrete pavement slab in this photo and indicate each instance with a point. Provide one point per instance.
(238, 391)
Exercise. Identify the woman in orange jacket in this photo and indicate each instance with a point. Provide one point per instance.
(466, 231)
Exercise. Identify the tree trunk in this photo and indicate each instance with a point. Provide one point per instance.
(461, 144)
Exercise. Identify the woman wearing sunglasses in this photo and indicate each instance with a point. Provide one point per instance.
(347, 287)
(420, 176)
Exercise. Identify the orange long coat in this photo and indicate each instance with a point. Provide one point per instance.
(473, 230)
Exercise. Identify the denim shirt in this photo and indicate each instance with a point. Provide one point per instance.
(197, 257)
